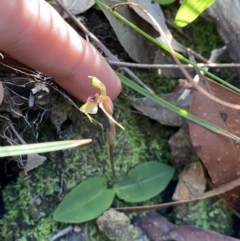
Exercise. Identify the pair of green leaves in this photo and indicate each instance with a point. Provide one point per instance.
(189, 10)
(92, 197)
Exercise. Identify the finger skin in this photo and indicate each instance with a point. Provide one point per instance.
(32, 32)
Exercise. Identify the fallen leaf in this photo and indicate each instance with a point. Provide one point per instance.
(160, 113)
(161, 56)
(155, 10)
(77, 6)
(158, 228)
(220, 155)
(143, 51)
(34, 161)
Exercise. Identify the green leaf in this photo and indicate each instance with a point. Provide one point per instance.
(144, 181)
(164, 2)
(17, 150)
(190, 10)
(85, 202)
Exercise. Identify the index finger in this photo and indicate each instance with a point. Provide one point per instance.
(34, 33)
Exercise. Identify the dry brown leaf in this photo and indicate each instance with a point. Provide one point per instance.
(158, 228)
(220, 155)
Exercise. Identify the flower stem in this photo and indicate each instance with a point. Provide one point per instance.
(112, 136)
(112, 163)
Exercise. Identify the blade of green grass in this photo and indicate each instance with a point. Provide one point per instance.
(179, 56)
(17, 150)
(176, 109)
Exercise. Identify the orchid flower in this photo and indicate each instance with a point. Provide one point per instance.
(102, 100)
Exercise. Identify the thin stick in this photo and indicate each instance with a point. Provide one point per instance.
(172, 66)
(61, 233)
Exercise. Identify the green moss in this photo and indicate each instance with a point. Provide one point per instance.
(209, 214)
(156, 82)
(205, 36)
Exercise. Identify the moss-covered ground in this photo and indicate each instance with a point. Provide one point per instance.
(30, 201)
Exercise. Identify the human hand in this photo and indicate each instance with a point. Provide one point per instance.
(32, 32)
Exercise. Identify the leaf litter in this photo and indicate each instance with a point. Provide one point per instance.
(160, 113)
(144, 51)
(158, 228)
(220, 155)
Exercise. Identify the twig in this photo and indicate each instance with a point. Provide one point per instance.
(61, 233)
(172, 66)
(16, 133)
(106, 51)
(213, 57)
(200, 76)
(20, 71)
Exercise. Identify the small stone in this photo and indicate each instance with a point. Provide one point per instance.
(117, 226)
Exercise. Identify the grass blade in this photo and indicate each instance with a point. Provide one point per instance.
(176, 109)
(17, 150)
